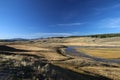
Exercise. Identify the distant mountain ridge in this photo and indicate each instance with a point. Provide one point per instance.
(19, 39)
(94, 36)
(14, 39)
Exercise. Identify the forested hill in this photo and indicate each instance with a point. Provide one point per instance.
(105, 35)
(100, 35)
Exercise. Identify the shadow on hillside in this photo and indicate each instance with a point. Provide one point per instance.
(11, 49)
(66, 74)
(20, 54)
(38, 70)
(42, 71)
(50, 72)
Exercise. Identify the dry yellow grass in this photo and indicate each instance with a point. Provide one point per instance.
(112, 73)
(88, 41)
(52, 56)
(101, 52)
(47, 53)
(47, 49)
(28, 47)
(109, 72)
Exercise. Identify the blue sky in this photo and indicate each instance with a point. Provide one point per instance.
(42, 18)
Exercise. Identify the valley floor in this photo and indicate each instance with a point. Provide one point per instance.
(47, 59)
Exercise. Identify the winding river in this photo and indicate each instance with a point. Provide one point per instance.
(71, 51)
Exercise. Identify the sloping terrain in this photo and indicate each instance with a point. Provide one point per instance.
(47, 59)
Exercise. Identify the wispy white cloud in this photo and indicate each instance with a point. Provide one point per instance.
(108, 7)
(39, 35)
(110, 23)
(68, 24)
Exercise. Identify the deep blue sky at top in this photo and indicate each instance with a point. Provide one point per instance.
(40, 18)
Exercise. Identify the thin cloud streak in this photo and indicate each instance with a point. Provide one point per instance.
(108, 8)
(44, 35)
(110, 23)
(69, 24)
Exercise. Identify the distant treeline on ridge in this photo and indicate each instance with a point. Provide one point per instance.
(101, 35)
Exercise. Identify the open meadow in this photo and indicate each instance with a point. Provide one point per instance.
(52, 59)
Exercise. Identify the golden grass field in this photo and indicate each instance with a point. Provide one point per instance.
(109, 53)
(48, 59)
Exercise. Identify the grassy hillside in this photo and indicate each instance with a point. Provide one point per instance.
(47, 59)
